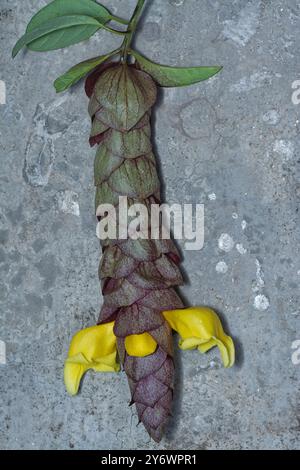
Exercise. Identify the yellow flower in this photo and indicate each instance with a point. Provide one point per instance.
(200, 327)
(92, 348)
(140, 345)
(95, 347)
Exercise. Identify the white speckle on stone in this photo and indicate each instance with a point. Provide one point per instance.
(244, 225)
(241, 249)
(2, 352)
(295, 314)
(213, 365)
(255, 80)
(225, 242)
(235, 215)
(68, 202)
(271, 117)
(261, 302)
(241, 30)
(285, 148)
(212, 197)
(221, 267)
(260, 282)
(2, 92)
(298, 272)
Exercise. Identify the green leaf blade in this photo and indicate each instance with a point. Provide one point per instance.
(58, 8)
(167, 76)
(60, 40)
(76, 73)
(57, 32)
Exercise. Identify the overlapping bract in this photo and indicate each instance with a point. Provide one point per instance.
(137, 275)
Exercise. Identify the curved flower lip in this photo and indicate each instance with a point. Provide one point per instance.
(92, 348)
(140, 345)
(200, 327)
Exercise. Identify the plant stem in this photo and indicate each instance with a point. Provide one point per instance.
(132, 29)
(119, 20)
(114, 31)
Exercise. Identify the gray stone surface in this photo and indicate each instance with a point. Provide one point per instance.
(231, 143)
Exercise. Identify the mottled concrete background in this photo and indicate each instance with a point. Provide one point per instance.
(231, 143)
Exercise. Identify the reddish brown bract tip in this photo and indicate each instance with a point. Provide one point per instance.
(93, 77)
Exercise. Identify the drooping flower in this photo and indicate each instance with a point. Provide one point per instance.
(92, 348)
(200, 327)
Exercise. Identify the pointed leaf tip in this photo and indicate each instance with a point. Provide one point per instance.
(167, 76)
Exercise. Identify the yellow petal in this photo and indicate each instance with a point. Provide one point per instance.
(207, 346)
(201, 327)
(98, 340)
(72, 376)
(140, 345)
(92, 348)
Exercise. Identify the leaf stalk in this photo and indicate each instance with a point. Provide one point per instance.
(131, 29)
(119, 20)
(114, 31)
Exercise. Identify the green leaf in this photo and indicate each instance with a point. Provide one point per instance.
(58, 8)
(167, 76)
(79, 71)
(70, 30)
